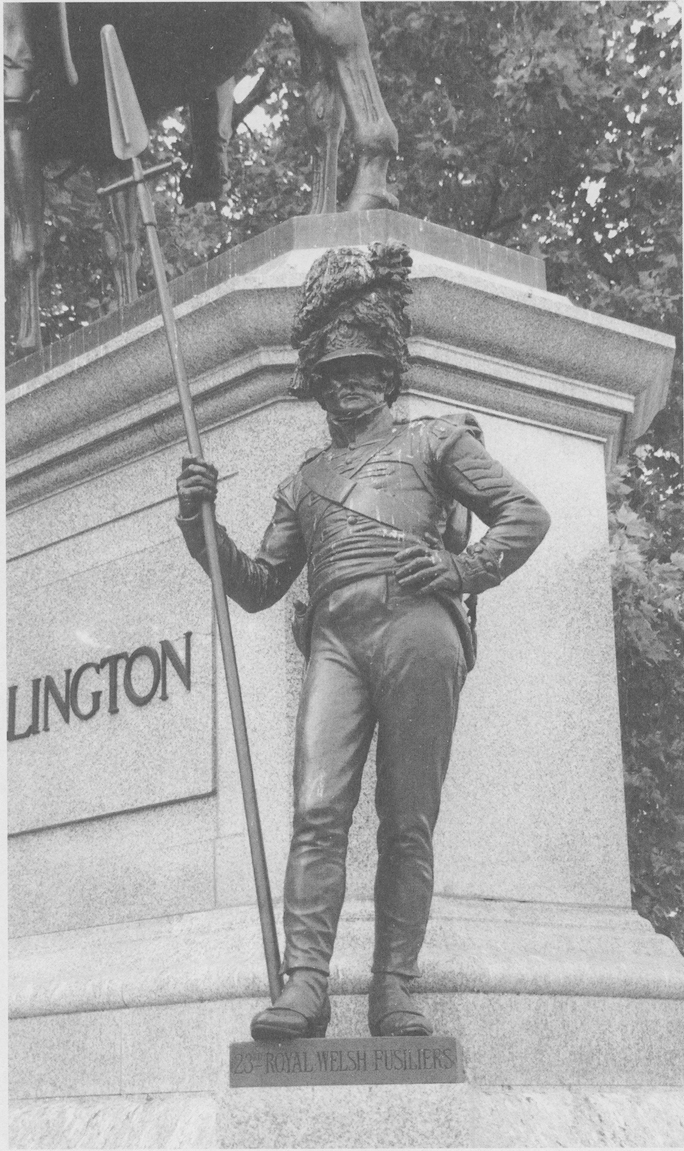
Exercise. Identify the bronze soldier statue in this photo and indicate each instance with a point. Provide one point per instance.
(378, 516)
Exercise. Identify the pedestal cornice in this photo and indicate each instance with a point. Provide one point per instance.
(478, 338)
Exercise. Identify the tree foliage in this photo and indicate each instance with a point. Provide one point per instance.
(551, 127)
(510, 115)
(646, 516)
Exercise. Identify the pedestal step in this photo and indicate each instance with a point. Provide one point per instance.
(436, 1115)
(507, 1040)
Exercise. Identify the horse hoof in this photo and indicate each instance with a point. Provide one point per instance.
(26, 347)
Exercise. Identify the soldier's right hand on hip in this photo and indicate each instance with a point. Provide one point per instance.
(196, 483)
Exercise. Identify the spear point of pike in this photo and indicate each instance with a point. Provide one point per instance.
(129, 130)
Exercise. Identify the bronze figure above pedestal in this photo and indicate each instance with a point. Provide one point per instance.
(380, 517)
(178, 54)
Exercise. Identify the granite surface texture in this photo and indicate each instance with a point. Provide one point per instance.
(476, 946)
(508, 1040)
(120, 758)
(92, 1122)
(545, 1041)
(86, 873)
(428, 1116)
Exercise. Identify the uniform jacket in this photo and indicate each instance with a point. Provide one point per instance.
(396, 484)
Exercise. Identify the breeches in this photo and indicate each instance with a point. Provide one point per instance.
(379, 656)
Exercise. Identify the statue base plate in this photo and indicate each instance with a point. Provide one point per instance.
(341, 1062)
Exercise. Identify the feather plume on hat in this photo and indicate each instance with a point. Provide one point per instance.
(353, 303)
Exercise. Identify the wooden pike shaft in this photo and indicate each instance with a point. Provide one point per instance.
(256, 841)
(129, 138)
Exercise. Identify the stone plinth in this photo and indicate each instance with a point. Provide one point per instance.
(135, 940)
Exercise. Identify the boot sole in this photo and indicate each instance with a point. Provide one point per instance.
(406, 1033)
(264, 1031)
(273, 1035)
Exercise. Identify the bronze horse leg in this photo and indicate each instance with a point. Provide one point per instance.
(325, 117)
(340, 81)
(24, 182)
(211, 128)
(339, 33)
(23, 174)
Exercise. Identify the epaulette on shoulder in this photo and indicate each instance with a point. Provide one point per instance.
(450, 424)
(446, 425)
(430, 424)
(415, 427)
(311, 453)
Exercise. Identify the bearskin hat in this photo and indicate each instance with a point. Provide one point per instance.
(353, 303)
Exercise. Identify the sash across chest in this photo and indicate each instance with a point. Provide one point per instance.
(393, 509)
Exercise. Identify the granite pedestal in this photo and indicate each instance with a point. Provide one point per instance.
(136, 951)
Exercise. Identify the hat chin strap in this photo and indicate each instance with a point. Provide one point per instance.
(361, 415)
(357, 417)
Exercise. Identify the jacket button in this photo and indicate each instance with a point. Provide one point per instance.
(352, 519)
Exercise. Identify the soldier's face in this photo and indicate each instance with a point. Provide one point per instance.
(351, 386)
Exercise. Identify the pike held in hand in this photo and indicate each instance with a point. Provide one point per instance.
(129, 138)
